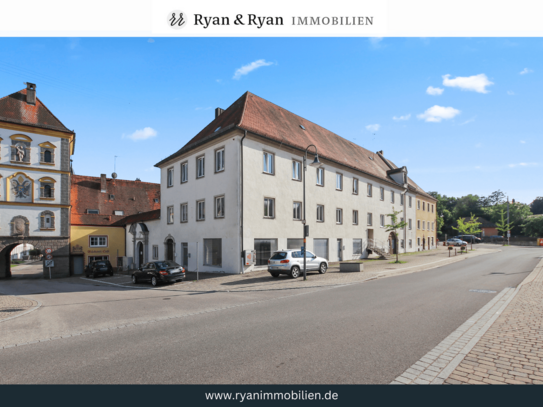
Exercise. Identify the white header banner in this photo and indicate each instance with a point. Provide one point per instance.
(280, 18)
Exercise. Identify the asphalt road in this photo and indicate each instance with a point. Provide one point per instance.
(361, 333)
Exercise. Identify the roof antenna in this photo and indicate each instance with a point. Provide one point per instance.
(114, 175)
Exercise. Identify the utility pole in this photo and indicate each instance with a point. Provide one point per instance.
(508, 232)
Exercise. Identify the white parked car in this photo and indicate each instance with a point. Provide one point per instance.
(291, 262)
(456, 242)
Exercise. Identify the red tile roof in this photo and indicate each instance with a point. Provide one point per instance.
(14, 109)
(265, 119)
(132, 197)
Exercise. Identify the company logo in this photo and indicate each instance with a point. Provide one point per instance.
(177, 19)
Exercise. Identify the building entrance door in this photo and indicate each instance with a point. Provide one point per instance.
(79, 264)
(169, 249)
(339, 250)
(140, 254)
(185, 251)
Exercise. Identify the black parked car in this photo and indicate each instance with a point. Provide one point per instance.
(96, 268)
(156, 272)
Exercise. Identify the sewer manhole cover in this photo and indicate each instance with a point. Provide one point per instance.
(483, 291)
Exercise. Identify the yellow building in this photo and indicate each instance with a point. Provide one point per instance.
(426, 222)
(90, 243)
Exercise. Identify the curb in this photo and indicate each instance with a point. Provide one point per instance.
(38, 305)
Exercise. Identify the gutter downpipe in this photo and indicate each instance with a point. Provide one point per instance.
(240, 197)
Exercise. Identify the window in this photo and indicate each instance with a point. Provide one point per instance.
(155, 252)
(97, 258)
(268, 163)
(410, 224)
(423, 206)
(184, 212)
(320, 247)
(200, 167)
(401, 199)
(264, 249)
(418, 224)
(200, 210)
(93, 211)
(410, 243)
(410, 202)
(382, 220)
(297, 211)
(269, 207)
(320, 177)
(170, 215)
(401, 220)
(295, 244)
(219, 207)
(47, 156)
(98, 241)
(219, 160)
(432, 226)
(423, 225)
(118, 213)
(212, 252)
(370, 219)
(355, 186)
(357, 248)
(391, 196)
(382, 193)
(402, 244)
(432, 208)
(370, 191)
(184, 172)
(111, 197)
(339, 216)
(47, 220)
(418, 241)
(320, 213)
(355, 217)
(339, 181)
(47, 190)
(296, 170)
(418, 204)
(170, 177)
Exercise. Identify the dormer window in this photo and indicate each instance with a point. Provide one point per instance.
(93, 211)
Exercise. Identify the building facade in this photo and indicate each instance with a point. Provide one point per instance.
(426, 222)
(236, 187)
(35, 171)
(99, 206)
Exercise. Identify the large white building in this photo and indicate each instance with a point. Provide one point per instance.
(237, 187)
(35, 150)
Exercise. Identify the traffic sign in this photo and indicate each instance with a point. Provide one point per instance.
(48, 250)
(48, 257)
(49, 263)
(508, 233)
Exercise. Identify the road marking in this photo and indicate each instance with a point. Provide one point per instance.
(483, 291)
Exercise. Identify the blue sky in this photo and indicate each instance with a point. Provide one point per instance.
(463, 114)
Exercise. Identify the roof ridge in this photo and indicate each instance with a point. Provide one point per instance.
(46, 108)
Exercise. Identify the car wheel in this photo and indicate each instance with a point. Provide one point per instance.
(111, 274)
(322, 268)
(274, 275)
(154, 281)
(295, 272)
(134, 280)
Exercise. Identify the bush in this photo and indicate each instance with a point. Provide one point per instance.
(533, 227)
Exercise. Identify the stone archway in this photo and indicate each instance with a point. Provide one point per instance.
(5, 260)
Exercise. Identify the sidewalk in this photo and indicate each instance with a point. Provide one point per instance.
(511, 351)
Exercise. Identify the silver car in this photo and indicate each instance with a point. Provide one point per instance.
(291, 262)
(456, 242)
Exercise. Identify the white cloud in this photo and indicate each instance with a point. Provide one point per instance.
(523, 165)
(476, 83)
(399, 118)
(510, 92)
(373, 127)
(525, 71)
(376, 41)
(468, 121)
(245, 69)
(522, 142)
(434, 91)
(437, 113)
(142, 134)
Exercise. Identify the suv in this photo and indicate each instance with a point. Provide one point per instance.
(99, 267)
(291, 262)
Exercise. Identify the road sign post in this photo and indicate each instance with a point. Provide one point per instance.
(49, 262)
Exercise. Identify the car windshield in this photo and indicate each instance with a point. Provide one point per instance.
(100, 263)
(167, 264)
(279, 256)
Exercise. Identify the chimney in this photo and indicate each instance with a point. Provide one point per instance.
(103, 184)
(218, 112)
(31, 93)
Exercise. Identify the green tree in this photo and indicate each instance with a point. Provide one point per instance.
(533, 227)
(466, 205)
(537, 206)
(473, 227)
(518, 213)
(503, 226)
(393, 227)
(461, 226)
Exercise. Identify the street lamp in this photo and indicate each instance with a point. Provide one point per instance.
(316, 163)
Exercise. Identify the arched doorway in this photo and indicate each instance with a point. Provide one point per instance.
(169, 249)
(392, 243)
(140, 254)
(17, 261)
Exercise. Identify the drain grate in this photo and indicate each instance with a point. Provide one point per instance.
(483, 291)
